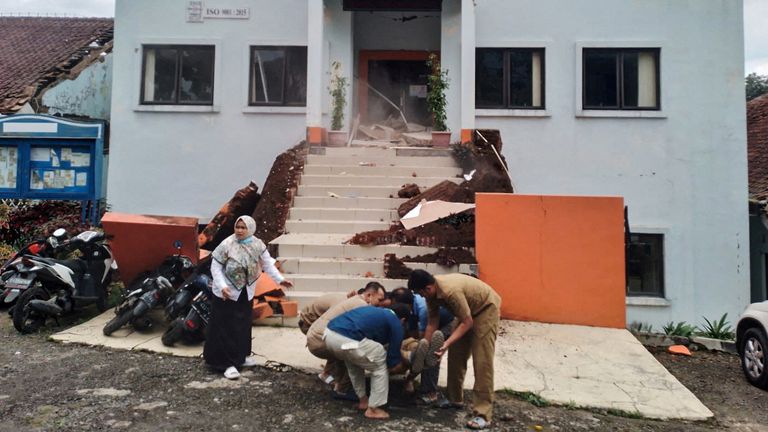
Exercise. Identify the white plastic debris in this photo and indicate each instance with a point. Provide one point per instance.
(428, 211)
(468, 177)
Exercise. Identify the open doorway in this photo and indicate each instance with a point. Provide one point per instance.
(393, 77)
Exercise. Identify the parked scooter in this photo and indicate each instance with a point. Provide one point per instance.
(178, 305)
(191, 328)
(149, 292)
(10, 284)
(56, 287)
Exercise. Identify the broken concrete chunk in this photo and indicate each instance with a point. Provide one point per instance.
(445, 191)
(222, 225)
(409, 190)
(429, 211)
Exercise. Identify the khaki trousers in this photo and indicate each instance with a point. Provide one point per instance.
(480, 343)
(333, 366)
(359, 357)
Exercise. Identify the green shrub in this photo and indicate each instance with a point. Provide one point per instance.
(438, 84)
(640, 327)
(679, 329)
(719, 329)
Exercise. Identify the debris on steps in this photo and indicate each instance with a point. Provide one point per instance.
(279, 189)
(486, 171)
(395, 268)
(222, 225)
(409, 190)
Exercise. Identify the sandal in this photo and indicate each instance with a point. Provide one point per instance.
(425, 400)
(478, 423)
(437, 341)
(231, 373)
(328, 379)
(444, 403)
(348, 396)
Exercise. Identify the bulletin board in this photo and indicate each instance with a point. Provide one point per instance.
(44, 157)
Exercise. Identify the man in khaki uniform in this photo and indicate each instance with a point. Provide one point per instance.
(476, 306)
(312, 311)
(372, 294)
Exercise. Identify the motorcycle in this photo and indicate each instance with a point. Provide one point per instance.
(52, 288)
(191, 328)
(178, 305)
(147, 292)
(46, 248)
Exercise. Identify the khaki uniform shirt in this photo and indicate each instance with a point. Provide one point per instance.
(463, 295)
(312, 312)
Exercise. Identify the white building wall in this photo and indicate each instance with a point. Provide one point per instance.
(683, 174)
(189, 163)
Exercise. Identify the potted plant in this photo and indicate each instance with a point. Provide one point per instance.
(436, 102)
(338, 92)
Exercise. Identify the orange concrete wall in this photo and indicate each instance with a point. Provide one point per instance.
(141, 242)
(554, 259)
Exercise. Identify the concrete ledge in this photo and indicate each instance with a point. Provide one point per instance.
(727, 346)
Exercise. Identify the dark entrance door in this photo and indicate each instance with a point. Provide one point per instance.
(401, 76)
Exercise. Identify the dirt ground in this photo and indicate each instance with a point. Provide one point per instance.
(51, 386)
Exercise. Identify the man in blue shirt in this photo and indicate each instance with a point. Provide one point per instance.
(368, 339)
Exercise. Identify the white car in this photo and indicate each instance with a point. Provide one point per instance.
(752, 343)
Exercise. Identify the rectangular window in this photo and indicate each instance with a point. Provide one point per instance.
(509, 78)
(177, 75)
(278, 76)
(621, 79)
(645, 265)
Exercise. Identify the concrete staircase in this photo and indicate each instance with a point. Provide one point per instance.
(348, 190)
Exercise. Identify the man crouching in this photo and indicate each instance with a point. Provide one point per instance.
(359, 337)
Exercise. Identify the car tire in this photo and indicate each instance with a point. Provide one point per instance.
(753, 357)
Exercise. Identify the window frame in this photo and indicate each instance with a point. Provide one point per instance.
(178, 47)
(506, 76)
(251, 49)
(661, 293)
(619, 52)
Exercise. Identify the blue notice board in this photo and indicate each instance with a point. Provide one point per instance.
(44, 157)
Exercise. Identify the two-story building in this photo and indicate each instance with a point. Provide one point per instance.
(643, 100)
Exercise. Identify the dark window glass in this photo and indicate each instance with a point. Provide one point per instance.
(601, 79)
(645, 265)
(621, 78)
(278, 76)
(489, 79)
(178, 74)
(509, 78)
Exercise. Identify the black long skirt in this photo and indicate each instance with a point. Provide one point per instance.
(228, 340)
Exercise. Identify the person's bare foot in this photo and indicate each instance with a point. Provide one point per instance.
(376, 413)
(363, 404)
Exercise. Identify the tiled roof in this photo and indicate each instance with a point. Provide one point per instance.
(34, 51)
(757, 147)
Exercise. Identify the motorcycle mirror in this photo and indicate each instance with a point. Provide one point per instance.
(177, 244)
(61, 232)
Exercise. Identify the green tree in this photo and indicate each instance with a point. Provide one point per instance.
(757, 85)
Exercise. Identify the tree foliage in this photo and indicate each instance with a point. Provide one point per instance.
(757, 85)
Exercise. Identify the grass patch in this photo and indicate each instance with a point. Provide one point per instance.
(530, 397)
(626, 414)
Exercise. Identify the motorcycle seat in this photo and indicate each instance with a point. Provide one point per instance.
(76, 265)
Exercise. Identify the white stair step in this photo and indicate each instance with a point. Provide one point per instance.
(363, 202)
(358, 214)
(349, 191)
(366, 151)
(333, 226)
(303, 265)
(410, 161)
(333, 246)
(337, 283)
(403, 171)
(353, 180)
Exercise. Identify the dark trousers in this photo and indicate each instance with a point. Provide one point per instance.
(228, 341)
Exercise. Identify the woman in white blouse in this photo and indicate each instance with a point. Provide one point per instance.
(237, 263)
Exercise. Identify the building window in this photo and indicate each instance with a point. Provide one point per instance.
(645, 265)
(177, 75)
(509, 78)
(621, 79)
(278, 76)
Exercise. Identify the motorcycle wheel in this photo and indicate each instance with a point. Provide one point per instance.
(118, 321)
(25, 319)
(174, 333)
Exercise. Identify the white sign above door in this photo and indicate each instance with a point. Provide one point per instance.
(197, 11)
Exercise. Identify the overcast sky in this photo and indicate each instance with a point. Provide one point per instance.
(755, 22)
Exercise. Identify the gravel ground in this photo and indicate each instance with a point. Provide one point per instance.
(51, 386)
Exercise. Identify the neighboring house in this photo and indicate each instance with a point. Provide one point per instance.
(597, 97)
(58, 66)
(757, 152)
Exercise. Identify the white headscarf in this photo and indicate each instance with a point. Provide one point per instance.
(250, 224)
